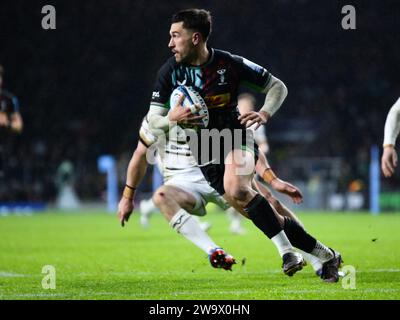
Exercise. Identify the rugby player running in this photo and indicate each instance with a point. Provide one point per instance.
(217, 75)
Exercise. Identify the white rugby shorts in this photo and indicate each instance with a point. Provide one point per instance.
(193, 182)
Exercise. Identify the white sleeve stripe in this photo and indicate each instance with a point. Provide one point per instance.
(158, 104)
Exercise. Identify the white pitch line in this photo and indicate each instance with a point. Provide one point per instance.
(169, 273)
(196, 293)
(12, 275)
(384, 270)
(32, 295)
(342, 290)
(172, 273)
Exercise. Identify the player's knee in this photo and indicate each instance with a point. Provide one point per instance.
(160, 195)
(238, 192)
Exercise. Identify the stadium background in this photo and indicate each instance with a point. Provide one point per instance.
(84, 87)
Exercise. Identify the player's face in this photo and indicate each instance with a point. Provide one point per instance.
(181, 43)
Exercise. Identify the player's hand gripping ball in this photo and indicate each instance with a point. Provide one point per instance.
(191, 100)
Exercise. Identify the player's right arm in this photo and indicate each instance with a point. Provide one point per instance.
(161, 119)
(161, 116)
(136, 170)
(392, 128)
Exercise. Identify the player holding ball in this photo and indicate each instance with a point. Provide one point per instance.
(217, 75)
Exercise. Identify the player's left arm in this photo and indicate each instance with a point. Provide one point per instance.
(279, 207)
(258, 78)
(276, 92)
(264, 170)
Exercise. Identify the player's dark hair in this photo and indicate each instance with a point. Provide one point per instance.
(1, 70)
(195, 19)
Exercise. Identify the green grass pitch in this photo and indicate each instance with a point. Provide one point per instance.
(95, 258)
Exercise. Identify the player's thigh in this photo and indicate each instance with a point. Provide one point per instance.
(178, 193)
(239, 169)
(239, 165)
(233, 204)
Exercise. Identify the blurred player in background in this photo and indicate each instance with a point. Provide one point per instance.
(392, 129)
(10, 121)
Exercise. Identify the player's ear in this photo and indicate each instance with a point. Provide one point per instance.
(196, 37)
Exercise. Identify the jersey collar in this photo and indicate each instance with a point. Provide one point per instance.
(209, 61)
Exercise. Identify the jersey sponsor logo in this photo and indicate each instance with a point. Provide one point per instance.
(178, 221)
(188, 77)
(176, 147)
(217, 101)
(221, 73)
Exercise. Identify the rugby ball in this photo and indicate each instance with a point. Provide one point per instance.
(192, 98)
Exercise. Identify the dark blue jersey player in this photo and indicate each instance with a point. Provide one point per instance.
(217, 76)
(10, 118)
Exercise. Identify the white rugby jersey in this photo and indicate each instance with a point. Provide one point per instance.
(259, 134)
(174, 157)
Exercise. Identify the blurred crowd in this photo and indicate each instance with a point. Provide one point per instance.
(84, 87)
